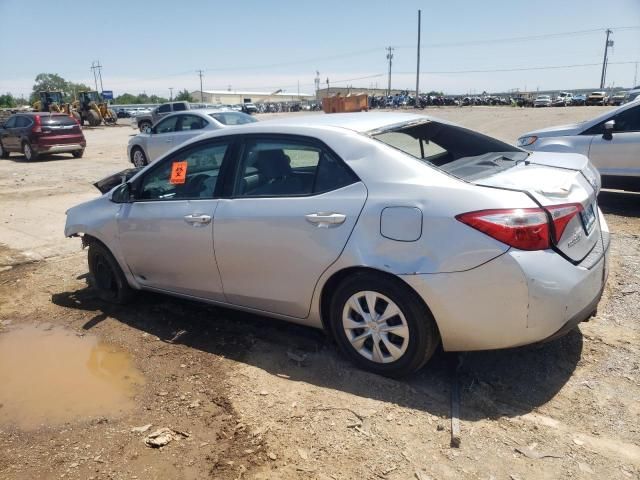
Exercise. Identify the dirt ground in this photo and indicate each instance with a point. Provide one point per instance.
(256, 398)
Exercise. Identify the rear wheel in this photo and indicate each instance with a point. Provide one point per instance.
(78, 153)
(382, 325)
(3, 153)
(138, 158)
(28, 152)
(93, 118)
(106, 276)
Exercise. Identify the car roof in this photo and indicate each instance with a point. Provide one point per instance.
(358, 122)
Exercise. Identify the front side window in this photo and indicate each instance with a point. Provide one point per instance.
(271, 167)
(192, 174)
(628, 121)
(167, 125)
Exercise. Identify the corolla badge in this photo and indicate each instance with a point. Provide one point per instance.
(574, 239)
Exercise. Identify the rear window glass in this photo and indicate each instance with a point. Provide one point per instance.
(232, 118)
(460, 152)
(57, 120)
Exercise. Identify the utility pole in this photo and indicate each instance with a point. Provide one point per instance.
(635, 77)
(93, 70)
(390, 58)
(608, 43)
(170, 94)
(317, 83)
(201, 93)
(418, 63)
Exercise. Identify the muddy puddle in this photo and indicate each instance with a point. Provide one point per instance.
(50, 375)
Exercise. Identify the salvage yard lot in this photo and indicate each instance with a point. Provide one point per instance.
(263, 399)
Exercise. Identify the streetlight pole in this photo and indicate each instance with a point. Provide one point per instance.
(418, 63)
(170, 94)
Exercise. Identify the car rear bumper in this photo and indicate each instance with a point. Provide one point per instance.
(517, 299)
(62, 148)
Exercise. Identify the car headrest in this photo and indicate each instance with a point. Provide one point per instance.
(273, 163)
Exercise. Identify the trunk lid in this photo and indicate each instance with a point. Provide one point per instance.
(557, 179)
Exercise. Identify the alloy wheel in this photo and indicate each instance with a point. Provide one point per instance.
(139, 159)
(375, 326)
(27, 151)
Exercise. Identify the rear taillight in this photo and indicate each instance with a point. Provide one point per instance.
(561, 215)
(37, 124)
(523, 228)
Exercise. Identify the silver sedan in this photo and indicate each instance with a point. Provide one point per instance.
(394, 232)
(177, 128)
(611, 141)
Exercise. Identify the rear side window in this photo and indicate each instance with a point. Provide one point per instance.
(164, 108)
(233, 118)
(178, 107)
(22, 122)
(274, 168)
(11, 123)
(191, 122)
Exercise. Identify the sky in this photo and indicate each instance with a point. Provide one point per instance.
(467, 46)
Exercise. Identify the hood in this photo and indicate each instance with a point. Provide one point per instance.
(557, 131)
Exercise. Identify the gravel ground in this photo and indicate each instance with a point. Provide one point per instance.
(258, 398)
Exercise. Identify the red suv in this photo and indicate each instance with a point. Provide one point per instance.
(36, 134)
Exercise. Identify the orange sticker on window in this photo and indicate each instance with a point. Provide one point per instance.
(178, 173)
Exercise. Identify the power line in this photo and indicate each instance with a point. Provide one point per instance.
(521, 69)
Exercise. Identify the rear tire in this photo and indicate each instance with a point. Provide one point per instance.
(78, 153)
(93, 118)
(106, 276)
(138, 158)
(29, 154)
(394, 346)
(3, 153)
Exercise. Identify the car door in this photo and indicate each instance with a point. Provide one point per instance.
(160, 140)
(292, 207)
(166, 232)
(617, 154)
(8, 134)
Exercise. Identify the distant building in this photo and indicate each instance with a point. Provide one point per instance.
(234, 97)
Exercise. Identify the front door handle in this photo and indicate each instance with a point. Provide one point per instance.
(325, 220)
(197, 219)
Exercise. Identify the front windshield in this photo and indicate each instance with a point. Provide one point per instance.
(232, 118)
(460, 152)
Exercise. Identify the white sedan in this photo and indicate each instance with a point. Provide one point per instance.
(611, 141)
(177, 128)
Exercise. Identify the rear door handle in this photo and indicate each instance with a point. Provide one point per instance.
(325, 220)
(197, 219)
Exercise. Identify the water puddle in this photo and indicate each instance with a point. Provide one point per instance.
(49, 375)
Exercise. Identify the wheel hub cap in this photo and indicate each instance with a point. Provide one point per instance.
(375, 326)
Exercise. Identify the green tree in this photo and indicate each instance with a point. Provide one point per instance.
(184, 96)
(126, 99)
(55, 83)
(7, 101)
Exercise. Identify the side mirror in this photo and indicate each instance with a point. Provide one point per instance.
(609, 126)
(122, 194)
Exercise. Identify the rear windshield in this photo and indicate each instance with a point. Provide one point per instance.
(54, 120)
(232, 118)
(455, 150)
